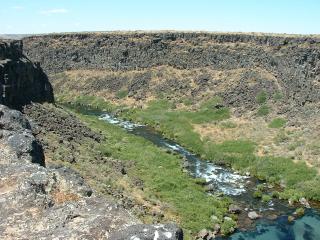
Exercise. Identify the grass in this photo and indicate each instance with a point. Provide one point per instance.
(277, 96)
(178, 124)
(277, 123)
(300, 180)
(315, 148)
(162, 176)
(122, 94)
(228, 124)
(86, 101)
(237, 153)
(281, 137)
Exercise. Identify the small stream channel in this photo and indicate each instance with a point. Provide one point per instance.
(273, 225)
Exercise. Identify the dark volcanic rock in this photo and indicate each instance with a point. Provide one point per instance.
(66, 125)
(21, 81)
(293, 61)
(15, 133)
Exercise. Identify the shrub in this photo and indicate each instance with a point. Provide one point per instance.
(257, 194)
(275, 194)
(122, 94)
(277, 96)
(260, 187)
(261, 97)
(277, 123)
(265, 198)
(228, 226)
(263, 110)
(187, 101)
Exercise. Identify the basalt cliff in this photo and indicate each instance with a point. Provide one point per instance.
(22, 81)
(236, 66)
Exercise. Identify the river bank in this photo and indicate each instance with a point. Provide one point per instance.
(269, 210)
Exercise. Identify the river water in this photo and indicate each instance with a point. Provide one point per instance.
(240, 188)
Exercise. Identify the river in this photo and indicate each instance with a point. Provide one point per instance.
(274, 223)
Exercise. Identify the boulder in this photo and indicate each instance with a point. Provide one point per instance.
(253, 215)
(291, 219)
(15, 134)
(203, 234)
(304, 202)
(233, 208)
(216, 228)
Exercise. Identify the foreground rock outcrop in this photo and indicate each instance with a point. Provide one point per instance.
(55, 202)
(21, 81)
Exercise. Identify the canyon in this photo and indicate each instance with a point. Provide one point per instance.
(246, 103)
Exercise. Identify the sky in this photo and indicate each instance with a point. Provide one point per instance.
(272, 16)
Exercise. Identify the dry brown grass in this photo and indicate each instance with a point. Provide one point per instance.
(297, 144)
(162, 77)
(8, 185)
(61, 197)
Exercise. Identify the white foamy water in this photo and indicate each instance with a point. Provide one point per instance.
(125, 124)
(221, 179)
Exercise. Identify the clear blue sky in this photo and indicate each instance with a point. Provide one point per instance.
(43, 16)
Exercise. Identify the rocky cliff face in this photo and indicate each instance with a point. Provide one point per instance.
(21, 81)
(294, 62)
(55, 202)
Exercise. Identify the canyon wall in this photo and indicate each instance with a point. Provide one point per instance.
(294, 61)
(21, 81)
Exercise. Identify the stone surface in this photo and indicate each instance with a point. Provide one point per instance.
(234, 209)
(15, 133)
(55, 202)
(304, 202)
(203, 234)
(253, 215)
(21, 81)
(146, 232)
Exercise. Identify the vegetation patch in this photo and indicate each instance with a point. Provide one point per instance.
(162, 176)
(263, 110)
(277, 96)
(261, 97)
(299, 179)
(228, 124)
(122, 94)
(277, 123)
(281, 137)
